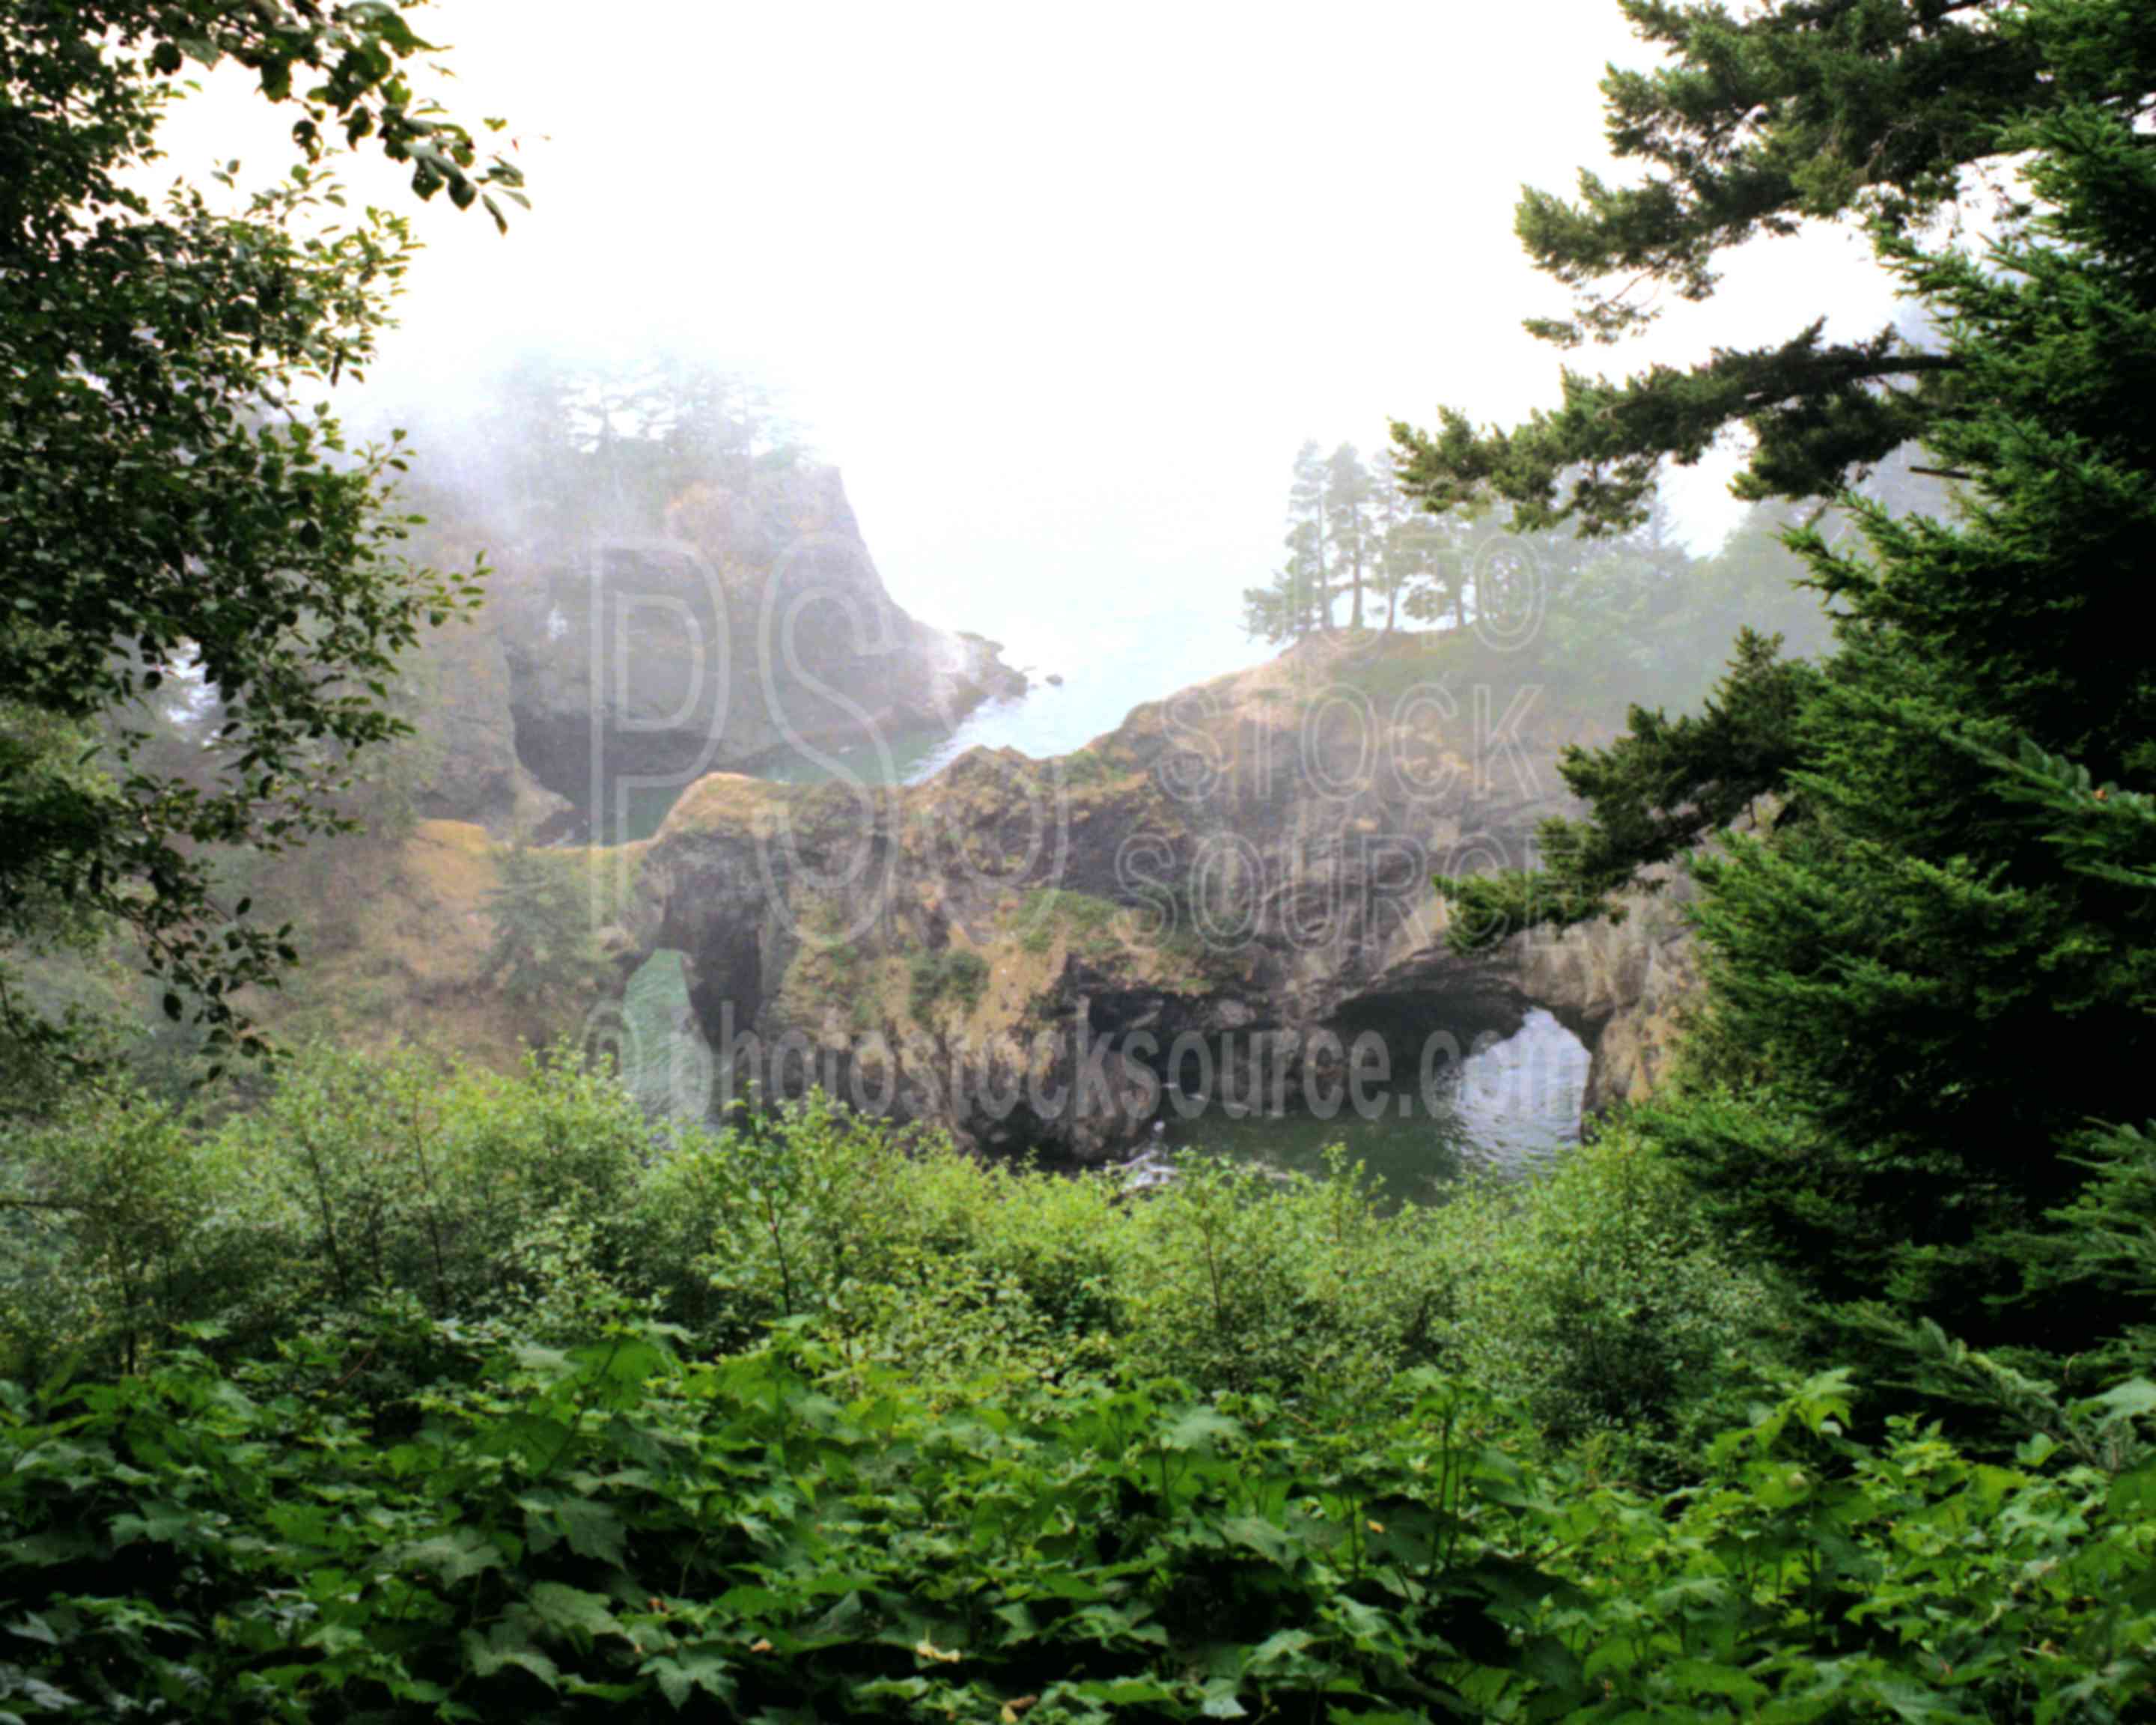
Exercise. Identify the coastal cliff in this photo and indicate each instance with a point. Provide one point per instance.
(744, 620)
(1224, 901)
(1226, 897)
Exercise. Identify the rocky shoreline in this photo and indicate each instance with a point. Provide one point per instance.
(1228, 895)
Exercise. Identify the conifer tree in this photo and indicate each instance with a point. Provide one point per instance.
(1924, 987)
(545, 955)
(1408, 543)
(1347, 509)
(1309, 537)
(1298, 598)
(1760, 120)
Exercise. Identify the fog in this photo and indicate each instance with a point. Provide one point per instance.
(1062, 290)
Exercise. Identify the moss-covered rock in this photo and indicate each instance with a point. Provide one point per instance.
(1248, 861)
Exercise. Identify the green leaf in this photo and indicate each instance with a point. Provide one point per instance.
(1199, 1428)
(2132, 1494)
(680, 1675)
(158, 1524)
(1262, 1537)
(455, 1556)
(1917, 1704)
(2133, 1399)
(1698, 1677)
(571, 1611)
(592, 1529)
(1125, 1691)
(1282, 1644)
(35, 1628)
(504, 1648)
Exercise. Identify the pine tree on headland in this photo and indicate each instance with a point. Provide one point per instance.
(1346, 508)
(1298, 598)
(1415, 555)
(1310, 536)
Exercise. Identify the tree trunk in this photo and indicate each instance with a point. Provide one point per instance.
(1324, 577)
(1355, 612)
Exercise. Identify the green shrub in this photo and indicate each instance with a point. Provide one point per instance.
(114, 1226)
(1232, 1278)
(954, 973)
(545, 950)
(1596, 1299)
(1599, 1297)
(356, 1179)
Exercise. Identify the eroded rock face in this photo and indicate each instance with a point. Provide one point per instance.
(1620, 987)
(469, 769)
(749, 622)
(1222, 894)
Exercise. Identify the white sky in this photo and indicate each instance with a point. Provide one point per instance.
(1060, 288)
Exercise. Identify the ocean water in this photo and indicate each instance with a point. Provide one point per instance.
(1509, 1110)
(1122, 663)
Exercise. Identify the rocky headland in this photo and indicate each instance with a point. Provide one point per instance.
(745, 621)
(1227, 899)
(1224, 898)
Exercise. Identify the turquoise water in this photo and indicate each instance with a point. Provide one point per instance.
(1045, 722)
(1102, 679)
(1508, 1109)
(897, 758)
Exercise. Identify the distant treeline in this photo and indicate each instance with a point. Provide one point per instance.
(1638, 616)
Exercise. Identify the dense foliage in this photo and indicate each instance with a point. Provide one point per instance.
(178, 507)
(462, 1397)
(475, 1196)
(400, 1390)
(556, 1534)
